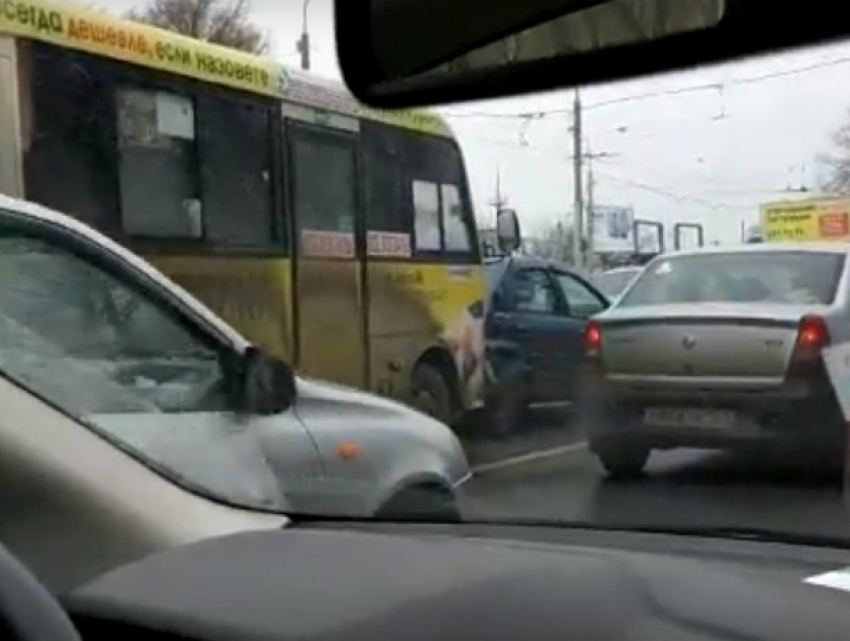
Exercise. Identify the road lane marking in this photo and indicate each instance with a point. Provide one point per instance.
(528, 458)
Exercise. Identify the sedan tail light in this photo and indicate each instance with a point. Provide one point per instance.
(813, 334)
(592, 339)
(812, 337)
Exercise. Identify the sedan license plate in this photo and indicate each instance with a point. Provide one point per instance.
(689, 417)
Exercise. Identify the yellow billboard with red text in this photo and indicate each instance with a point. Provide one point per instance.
(806, 220)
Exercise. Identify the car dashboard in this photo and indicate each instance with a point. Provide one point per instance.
(384, 583)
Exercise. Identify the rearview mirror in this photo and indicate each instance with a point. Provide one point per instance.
(507, 231)
(267, 384)
(402, 53)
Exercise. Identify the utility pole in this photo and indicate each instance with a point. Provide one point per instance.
(499, 202)
(578, 207)
(591, 183)
(303, 43)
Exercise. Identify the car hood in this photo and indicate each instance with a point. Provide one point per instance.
(311, 390)
(341, 399)
(320, 389)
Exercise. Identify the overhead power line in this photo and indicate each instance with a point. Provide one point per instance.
(679, 198)
(708, 86)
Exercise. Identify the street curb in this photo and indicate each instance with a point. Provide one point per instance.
(531, 457)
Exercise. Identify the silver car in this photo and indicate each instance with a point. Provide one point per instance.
(720, 348)
(97, 334)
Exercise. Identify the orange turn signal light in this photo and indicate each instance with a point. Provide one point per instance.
(348, 450)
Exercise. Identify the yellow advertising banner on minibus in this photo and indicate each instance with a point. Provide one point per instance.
(806, 220)
(102, 34)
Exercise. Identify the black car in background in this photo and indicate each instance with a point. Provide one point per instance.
(536, 312)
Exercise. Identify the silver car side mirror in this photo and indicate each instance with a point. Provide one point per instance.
(267, 384)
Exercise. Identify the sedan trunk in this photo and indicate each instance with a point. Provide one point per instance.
(701, 343)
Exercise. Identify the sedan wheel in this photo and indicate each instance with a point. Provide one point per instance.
(624, 459)
(421, 504)
(503, 415)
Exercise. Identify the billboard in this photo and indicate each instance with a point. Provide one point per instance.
(649, 237)
(612, 229)
(811, 219)
(688, 236)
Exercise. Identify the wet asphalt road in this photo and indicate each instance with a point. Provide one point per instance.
(546, 472)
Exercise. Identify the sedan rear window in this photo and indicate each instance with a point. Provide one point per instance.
(792, 277)
(613, 283)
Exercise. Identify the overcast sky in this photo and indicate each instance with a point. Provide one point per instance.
(708, 155)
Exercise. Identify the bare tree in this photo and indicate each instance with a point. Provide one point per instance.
(555, 242)
(837, 163)
(224, 22)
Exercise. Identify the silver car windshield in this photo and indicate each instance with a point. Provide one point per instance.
(792, 277)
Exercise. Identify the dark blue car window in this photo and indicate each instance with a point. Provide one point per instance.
(529, 290)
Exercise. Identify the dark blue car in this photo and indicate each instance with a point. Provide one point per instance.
(535, 316)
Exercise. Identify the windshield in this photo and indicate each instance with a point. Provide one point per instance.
(613, 283)
(432, 382)
(745, 277)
